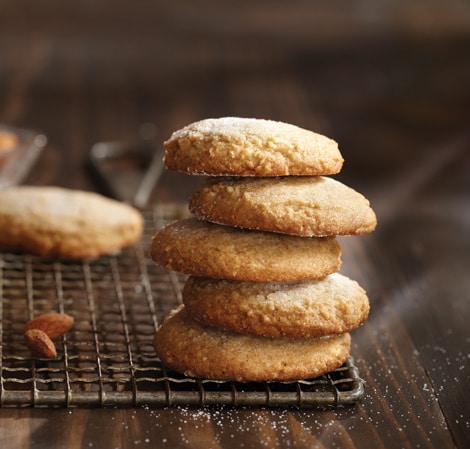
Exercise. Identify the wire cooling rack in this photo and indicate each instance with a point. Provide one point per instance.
(107, 359)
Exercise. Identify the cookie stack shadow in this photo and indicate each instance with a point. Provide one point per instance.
(263, 300)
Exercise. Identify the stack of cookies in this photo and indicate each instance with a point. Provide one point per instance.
(264, 300)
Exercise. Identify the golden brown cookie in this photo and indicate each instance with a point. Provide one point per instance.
(303, 309)
(186, 346)
(52, 221)
(298, 205)
(8, 140)
(250, 147)
(206, 249)
(8, 143)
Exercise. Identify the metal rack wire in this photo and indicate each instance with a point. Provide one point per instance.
(108, 358)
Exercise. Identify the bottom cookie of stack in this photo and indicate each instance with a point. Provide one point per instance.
(201, 351)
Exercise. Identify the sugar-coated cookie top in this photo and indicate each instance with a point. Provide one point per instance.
(250, 147)
(58, 207)
(304, 309)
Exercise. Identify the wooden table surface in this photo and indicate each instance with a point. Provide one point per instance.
(388, 80)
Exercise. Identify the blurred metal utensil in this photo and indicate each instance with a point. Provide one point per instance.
(129, 171)
(150, 179)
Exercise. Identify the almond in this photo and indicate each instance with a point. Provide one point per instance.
(40, 344)
(53, 324)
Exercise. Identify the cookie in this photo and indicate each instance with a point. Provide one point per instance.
(71, 224)
(200, 248)
(8, 142)
(187, 346)
(304, 309)
(250, 147)
(299, 205)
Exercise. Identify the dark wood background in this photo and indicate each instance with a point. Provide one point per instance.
(388, 80)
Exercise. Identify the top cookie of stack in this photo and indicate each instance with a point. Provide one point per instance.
(236, 146)
(264, 301)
